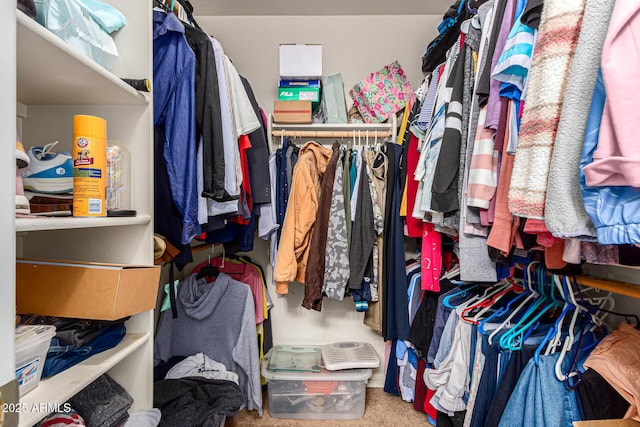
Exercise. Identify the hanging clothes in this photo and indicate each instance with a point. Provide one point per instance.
(175, 199)
(362, 243)
(397, 316)
(378, 163)
(336, 270)
(293, 250)
(314, 275)
(258, 155)
(207, 112)
(564, 212)
(549, 71)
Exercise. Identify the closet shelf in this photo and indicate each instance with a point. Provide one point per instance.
(61, 223)
(59, 388)
(51, 72)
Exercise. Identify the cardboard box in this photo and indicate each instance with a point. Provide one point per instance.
(300, 94)
(299, 83)
(301, 61)
(85, 290)
(292, 111)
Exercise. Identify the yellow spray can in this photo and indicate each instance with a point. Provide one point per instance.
(89, 165)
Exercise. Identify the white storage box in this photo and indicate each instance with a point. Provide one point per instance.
(301, 61)
(324, 395)
(32, 344)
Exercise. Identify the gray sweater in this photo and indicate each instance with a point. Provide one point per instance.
(216, 319)
(564, 212)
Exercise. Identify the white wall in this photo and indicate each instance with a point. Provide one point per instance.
(353, 46)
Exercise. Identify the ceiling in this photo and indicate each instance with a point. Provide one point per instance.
(319, 7)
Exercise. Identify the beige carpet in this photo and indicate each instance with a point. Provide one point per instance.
(382, 409)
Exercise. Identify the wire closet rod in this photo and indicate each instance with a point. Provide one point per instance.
(328, 134)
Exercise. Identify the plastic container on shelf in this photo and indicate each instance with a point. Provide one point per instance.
(118, 178)
(32, 343)
(73, 24)
(323, 395)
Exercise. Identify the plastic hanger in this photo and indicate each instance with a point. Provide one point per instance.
(488, 291)
(532, 296)
(455, 271)
(511, 287)
(556, 341)
(462, 292)
(210, 270)
(568, 342)
(486, 302)
(514, 339)
(501, 311)
(553, 335)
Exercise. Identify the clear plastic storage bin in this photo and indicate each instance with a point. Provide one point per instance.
(32, 344)
(323, 395)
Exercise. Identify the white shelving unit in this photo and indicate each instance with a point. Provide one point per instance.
(54, 73)
(48, 83)
(62, 223)
(64, 385)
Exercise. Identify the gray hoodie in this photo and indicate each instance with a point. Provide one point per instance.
(216, 319)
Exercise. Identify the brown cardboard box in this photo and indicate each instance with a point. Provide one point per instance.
(292, 111)
(85, 290)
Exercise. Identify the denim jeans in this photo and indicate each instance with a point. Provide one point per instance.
(539, 399)
(61, 357)
(57, 347)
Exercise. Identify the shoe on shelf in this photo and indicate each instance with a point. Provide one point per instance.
(48, 172)
(22, 203)
(47, 204)
(22, 160)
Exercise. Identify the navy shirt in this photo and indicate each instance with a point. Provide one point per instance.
(174, 112)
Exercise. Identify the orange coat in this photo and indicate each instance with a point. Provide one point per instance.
(300, 217)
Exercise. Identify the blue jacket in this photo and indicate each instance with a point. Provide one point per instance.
(174, 110)
(615, 211)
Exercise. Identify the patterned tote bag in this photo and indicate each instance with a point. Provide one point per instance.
(382, 93)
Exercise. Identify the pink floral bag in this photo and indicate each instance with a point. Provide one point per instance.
(382, 94)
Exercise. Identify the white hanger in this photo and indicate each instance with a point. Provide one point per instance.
(534, 294)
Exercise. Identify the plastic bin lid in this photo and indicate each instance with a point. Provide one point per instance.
(295, 358)
(28, 335)
(319, 375)
(349, 355)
